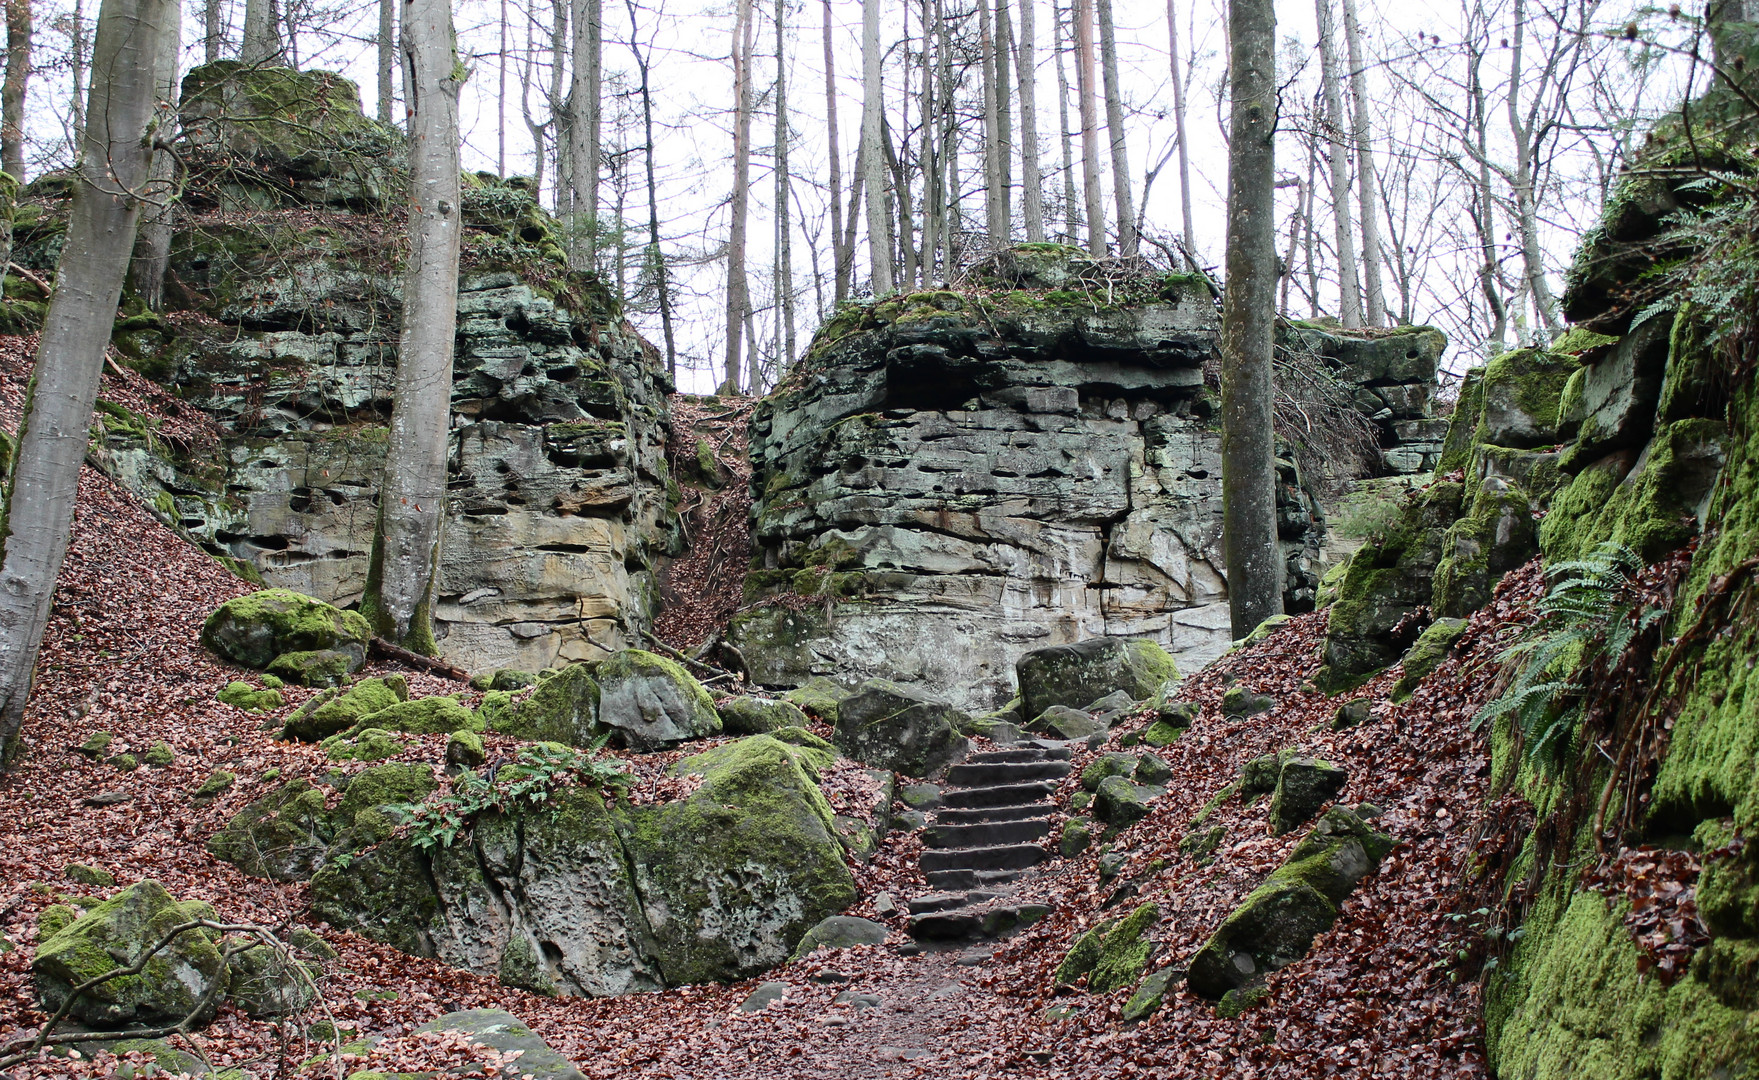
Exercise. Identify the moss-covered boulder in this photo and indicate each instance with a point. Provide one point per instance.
(1076, 675)
(280, 836)
(732, 877)
(564, 708)
(748, 715)
(335, 712)
(1107, 765)
(364, 744)
(1118, 802)
(899, 728)
(841, 932)
(1275, 925)
(1652, 503)
(267, 982)
(1063, 722)
(188, 977)
(437, 715)
(1426, 654)
(315, 667)
(1304, 785)
(242, 695)
(252, 631)
(1113, 954)
(1386, 581)
(818, 697)
(652, 702)
(1519, 394)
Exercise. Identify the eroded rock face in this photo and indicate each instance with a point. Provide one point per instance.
(954, 479)
(557, 503)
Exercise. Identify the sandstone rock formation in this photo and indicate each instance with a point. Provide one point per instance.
(951, 479)
(281, 327)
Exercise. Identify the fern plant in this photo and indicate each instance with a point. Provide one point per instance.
(1589, 615)
(528, 782)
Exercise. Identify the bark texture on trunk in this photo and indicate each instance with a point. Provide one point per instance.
(1367, 184)
(152, 245)
(1179, 134)
(879, 226)
(1071, 203)
(1114, 119)
(387, 57)
(114, 162)
(1349, 284)
(842, 259)
(784, 235)
(12, 92)
(262, 34)
(1248, 317)
(995, 210)
(584, 146)
(213, 36)
(403, 574)
(1089, 128)
(738, 289)
(1031, 175)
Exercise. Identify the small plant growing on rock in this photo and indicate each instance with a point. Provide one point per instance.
(525, 783)
(1593, 610)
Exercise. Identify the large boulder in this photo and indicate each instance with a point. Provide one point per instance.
(653, 702)
(186, 978)
(747, 715)
(253, 631)
(899, 728)
(1304, 785)
(1275, 925)
(287, 835)
(1080, 674)
(1113, 954)
(504, 1032)
(1520, 394)
(564, 708)
(337, 711)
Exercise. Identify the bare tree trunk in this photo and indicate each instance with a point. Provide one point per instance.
(931, 176)
(561, 109)
(905, 215)
(1349, 284)
(738, 289)
(1114, 118)
(262, 34)
(1248, 318)
(501, 98)
(76, 59)
(852, 216)
(537, 128)
(995, 208)
(403, 574)
(1071, 204)
(1180, 134)
(1484, 207)
(1089, 128)
(1005, 110)
(152, 245)
(583, 226)
(1031, 174)
(842, 259)
(879, 226)
(1526, 202)
(655, 258)
(387, 58)
(947, 207)
(784, 248)
(213, 35)
(113, 164)
(1288, 263)
(1367, 186)
(12, 92)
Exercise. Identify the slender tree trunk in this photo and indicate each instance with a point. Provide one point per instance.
(948, 206)
(12, 92)
(1367, 186)
(906, 217)
(539, 129)
(387, 58)
(1071, 203)
(995, 208)
(501, 98)
(152, 245)
(403, 574)
(1114, 118)
(738, 289)
(1005, 110)
(585, 135)
(1089, 128)
(784, 234)
(1031, 174)
(76, 58)
(262, 34)
(1526, 201)
(113, 164)
(879, 227)
(1288, 262)
(852, 216)
(1349, 284)
(655, 257)
(1180, 134)
(1484, 212)
(931, 176)
(842, 259)
(1248, 319)
(213, 35)
(561, 109)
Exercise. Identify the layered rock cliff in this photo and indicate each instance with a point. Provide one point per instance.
(281, 327)
(950, 479)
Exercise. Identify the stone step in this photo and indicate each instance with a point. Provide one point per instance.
(995, 813)
(1021, 753)
(985, 834)
(998, 795)
(999, 857)
(959, 924)
(994, 773)
(946, 901)
(956, 880)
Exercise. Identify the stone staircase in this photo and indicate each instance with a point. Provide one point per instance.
(986, 832)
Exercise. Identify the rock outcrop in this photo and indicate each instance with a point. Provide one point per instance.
(584, 895)
(281, 325)
(951, 479)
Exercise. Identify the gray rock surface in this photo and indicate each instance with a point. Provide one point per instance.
(505, 1032)
(899, 728)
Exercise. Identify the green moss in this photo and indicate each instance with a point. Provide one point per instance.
(818, 698)
(89, 876)
(368, 744)
(330, 714)
(1456, 448)
(1529, 382)
(253, 630)
(424, 716)
(1125, 952)
(123, 762)
(1083, 954)
(161, 755)
(216, 783)
(54, 919)
(242, 695)
(313, 667)
(1431, 648)
(465, 748)
(563, 708)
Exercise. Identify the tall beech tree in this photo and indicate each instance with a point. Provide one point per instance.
(404, 570)
(115, 159)
(152, 245)
(1248, 315)
(18, 72)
